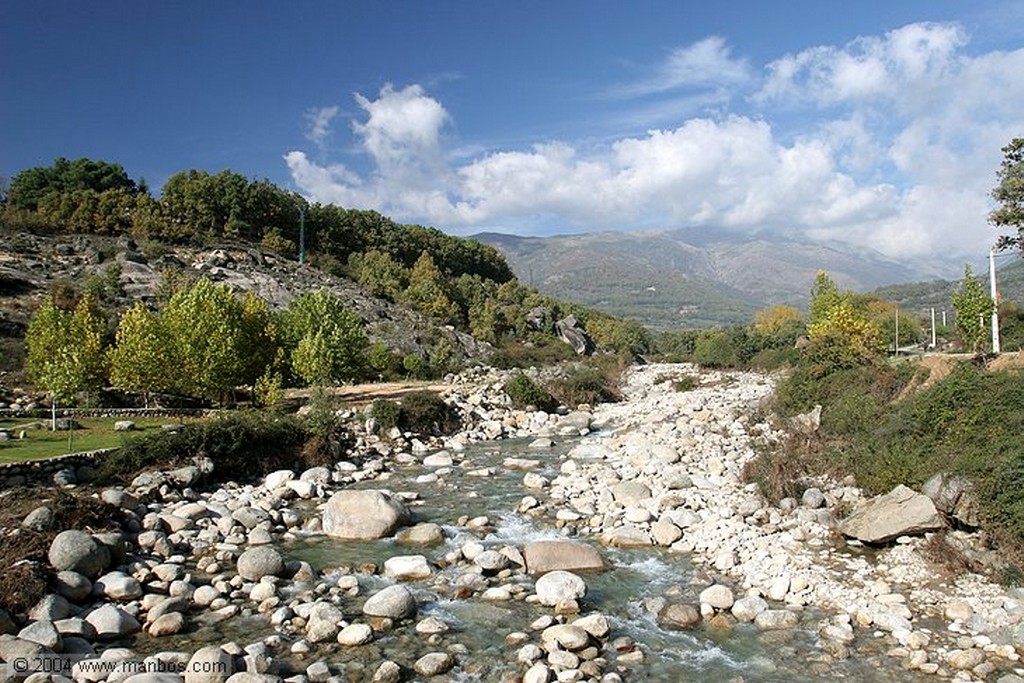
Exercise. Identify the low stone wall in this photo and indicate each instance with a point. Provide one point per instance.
(41, 472)
(40, 413)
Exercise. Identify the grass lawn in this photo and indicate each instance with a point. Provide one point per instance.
(43, 443)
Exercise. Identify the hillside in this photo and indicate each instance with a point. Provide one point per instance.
(921, 296)
(686, 278)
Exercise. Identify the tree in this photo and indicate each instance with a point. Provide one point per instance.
(29, 187)
(379, 274)
(779, 320)
(824, 296)
(205, 327)
(428, 291)
(973, 311)
(65, 350)
(1010, 195)
(141, 359)
(326, 339)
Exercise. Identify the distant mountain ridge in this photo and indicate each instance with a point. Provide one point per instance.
(689, 278)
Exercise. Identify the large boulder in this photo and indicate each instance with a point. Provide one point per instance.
(545, 556)
(569, 331)
(363, 515)
(900, 512)
(77, 551)
(209, 664)
(953, 494)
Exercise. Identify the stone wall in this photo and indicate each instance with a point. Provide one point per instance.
(74, 467)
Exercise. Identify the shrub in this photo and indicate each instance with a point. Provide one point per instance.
(425, 412)
(525, 392)
(237, 443)
(385, 412)
(584, 384)
(685, 383)
(544, 351)
(713, 350)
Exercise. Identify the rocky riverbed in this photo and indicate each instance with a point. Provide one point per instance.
(603, 545)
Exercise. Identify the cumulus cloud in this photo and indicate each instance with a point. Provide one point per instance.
(890, 142)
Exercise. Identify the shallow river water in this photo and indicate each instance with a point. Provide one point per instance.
(738, 653)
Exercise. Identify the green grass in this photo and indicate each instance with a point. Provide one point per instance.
(43, 443)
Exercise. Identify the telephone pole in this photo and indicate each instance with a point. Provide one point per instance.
(995, 303)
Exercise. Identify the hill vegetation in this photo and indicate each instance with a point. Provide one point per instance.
(204, 339)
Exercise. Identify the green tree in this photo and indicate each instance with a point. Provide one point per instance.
(379, 274)
(29, 187)
(824, 296)
(1010, 195)
(141, 359)
(326, 339)
(205, 328)
(973, 311)
(428, 291)
(65, 350)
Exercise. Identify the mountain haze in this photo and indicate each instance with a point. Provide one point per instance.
(691, 278)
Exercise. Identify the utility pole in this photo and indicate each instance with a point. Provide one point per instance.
(933, 324)
(995, 304)
(896, 345)
(302, 234)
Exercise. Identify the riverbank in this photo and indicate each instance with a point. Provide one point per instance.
(464, 580)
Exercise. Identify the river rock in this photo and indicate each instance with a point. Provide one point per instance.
(167, 624)
(40, 519)
(559, 586)
(323, 622)
(43, 633)
(209, 664)
(774, 619)
(426, 533)
(72, 585)
(434, 664)
(679, 617)
(364, 515)
(277, 479)
(255, 563)
(394, 602)
(110, 621)
(567, 636)
(628, 493)
(355, 634)
(117, 586)
(79, 552)
(717, 596)
(407, 567)
(387, 672)
(747, 609)
(571, 556)
(901, 512)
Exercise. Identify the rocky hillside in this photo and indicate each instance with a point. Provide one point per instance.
(33, 267)
(684, 278)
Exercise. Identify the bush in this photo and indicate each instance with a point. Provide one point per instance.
(540, 353)
(385, 412)
(584, 384)
(685, 383)
(525, 392)
(237, 442)
(425, 412)
(713, 350)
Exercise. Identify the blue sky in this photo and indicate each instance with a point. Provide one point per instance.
(878, 123)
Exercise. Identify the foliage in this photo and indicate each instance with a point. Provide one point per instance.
(1009, 193)
(841, 335)
(34, 185)
(824, 297)
(425, 412)
(240, 444)
(213, 339)
(584, 384)
(525, 392)
(543, 351)
(713, 350)
(386, 413)
(140, 359)
(428, 291)
(379, 274)
(612, 333)
(326, 340)
(777, 321)
(973, 311)
(64, 350)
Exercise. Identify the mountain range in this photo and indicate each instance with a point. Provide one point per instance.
(689, 278)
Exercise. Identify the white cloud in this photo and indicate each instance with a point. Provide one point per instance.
(890, 142)
(318, 120)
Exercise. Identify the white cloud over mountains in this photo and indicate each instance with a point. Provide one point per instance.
(890, 142)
